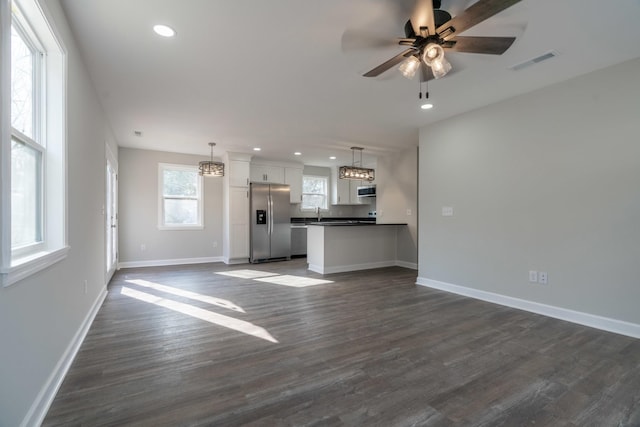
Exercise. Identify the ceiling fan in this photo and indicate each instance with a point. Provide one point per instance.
(431, 31)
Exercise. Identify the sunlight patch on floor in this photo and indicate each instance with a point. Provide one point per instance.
(247, 274)
(294, 281)
(202, 314)
(188, 294)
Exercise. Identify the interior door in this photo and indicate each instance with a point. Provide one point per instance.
(111, 218)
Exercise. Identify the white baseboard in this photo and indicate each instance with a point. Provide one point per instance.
(235, 260)
(163, 262)
(405, 264)
(351, 267)
(357, 267)
(594, 321)
(43, 401)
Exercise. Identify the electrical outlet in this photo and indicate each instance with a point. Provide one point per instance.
(542, 277)
(143, 247)
(85, 286)
(533, 276)
(215, 244)
(408, 212)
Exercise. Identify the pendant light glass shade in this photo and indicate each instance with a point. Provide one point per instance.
(433, 56)
(209, 167)
(409, 67)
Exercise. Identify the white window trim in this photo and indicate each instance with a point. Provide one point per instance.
(326, 198)
(161, 226)
(55, 248)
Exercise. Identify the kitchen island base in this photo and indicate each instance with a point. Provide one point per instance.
(336, 249)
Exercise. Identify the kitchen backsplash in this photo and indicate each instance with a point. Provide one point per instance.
(355, 211)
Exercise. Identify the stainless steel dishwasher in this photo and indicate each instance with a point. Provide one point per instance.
(298, 240)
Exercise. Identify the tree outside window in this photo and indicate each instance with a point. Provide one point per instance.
(315, 191)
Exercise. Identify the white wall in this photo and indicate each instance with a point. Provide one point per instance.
(138, 216)
(343, 211)
(546, 181)
(40, 315)
(397, 196)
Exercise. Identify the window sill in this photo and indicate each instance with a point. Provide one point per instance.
(24, 267)
(183, 228)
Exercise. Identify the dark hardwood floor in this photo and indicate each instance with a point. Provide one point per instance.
(190, 346)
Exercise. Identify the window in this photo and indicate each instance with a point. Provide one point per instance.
(33, 154)
(180, 189)
(315, 191)
(27, 150)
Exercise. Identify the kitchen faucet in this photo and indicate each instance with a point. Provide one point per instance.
(318, 213)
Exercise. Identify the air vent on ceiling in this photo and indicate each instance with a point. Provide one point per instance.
(537, 59)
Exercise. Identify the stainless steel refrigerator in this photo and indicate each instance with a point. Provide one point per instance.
(270, 222)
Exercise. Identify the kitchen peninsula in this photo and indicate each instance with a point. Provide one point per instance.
(339, 246)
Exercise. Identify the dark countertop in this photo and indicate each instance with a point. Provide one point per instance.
(350, 223)
(295, 221)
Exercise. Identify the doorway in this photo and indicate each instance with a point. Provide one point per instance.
(111, 214)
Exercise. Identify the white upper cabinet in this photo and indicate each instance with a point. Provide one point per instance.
(267, 174)
(344, 191)
(238, 171)
(293, 177)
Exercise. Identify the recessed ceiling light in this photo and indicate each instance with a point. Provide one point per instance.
(332, 158)
(164, 30)
(426, 106)
(297, 153)
(257, 149)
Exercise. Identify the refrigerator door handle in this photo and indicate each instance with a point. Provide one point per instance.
(270, 219)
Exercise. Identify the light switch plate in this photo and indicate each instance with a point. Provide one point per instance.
(447, 211)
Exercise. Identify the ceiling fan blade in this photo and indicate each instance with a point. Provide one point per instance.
(486, 45)
(425, 73)
(475, 14)
(390, 63)
(422, 16)
(356, 39)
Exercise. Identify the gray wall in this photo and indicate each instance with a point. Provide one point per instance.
(545, 181)
(40, 315)
(138, 205)
(397, 193)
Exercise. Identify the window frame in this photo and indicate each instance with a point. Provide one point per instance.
(32, 21)
(161, 197)
(326, 194)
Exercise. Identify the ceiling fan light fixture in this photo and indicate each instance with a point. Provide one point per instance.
(432, 52)
(440, 68)
(409, 67)
(209, 167)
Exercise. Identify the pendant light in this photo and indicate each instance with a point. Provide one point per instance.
(209, 167)
(356, 172)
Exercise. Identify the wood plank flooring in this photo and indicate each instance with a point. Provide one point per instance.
(190, 346)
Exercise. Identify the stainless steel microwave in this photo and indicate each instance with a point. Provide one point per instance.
(367, 191)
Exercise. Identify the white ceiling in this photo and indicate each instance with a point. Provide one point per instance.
(273, 74)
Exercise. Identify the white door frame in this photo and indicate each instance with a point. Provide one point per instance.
(111, 213)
